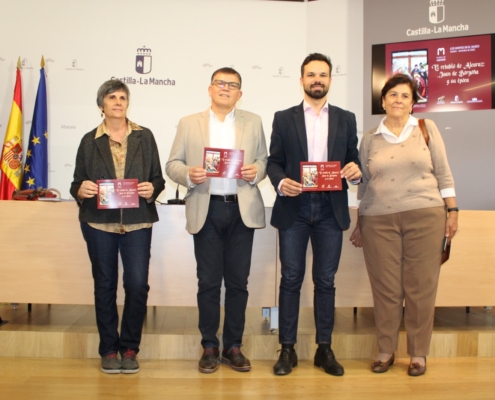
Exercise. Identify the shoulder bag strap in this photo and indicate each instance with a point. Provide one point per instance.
(424, 131)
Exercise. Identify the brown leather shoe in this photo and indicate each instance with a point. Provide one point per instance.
(415, 369)
(236, 359)
(209, 361)
(382, 366)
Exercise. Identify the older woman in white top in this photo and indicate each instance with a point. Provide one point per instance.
(407, 207)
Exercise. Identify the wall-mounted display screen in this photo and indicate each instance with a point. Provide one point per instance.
(452, 74)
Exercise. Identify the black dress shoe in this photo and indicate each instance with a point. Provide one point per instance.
(209, 361)
(286, 361)
(236, 359)
(326, 360)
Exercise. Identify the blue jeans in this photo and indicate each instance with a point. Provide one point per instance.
(223, 250)
(315, 221)
(135, 252)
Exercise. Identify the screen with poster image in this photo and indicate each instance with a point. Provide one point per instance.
(452, 74)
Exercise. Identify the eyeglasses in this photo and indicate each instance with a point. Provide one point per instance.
(231, 85)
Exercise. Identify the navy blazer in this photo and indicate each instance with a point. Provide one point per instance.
(94, 161)
(289, 146)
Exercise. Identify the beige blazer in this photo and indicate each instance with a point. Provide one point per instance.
(193, 135)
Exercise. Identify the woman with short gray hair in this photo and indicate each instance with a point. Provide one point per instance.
(118, 153)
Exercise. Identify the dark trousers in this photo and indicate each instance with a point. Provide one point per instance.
(316, 221)
(103, 249)
(223, 250)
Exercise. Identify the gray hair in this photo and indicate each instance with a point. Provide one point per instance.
(113, 85)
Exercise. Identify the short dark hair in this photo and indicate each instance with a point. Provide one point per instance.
(227, 70)
(316, 57)
(400, 79)
(110, 86)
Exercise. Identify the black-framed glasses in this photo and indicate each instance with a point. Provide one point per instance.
(231, 85)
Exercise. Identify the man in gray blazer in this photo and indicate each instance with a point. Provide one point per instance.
(221, 213)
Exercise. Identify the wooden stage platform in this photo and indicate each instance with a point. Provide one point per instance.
(171, 333)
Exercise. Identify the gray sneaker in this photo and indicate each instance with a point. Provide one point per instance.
(129, 362)
(110, 364)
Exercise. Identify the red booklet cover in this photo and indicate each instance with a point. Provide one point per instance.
(117, 193)
(223, 163)
(321, 176)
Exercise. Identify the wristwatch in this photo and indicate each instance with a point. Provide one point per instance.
(453, 209)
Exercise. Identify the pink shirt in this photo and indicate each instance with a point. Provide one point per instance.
(316, 132)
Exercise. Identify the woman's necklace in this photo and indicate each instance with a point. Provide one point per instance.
(395, 131)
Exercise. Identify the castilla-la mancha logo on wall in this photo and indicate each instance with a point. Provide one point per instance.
(437, 11)
(143, 60)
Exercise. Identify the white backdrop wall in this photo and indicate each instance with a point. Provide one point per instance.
(86, 43)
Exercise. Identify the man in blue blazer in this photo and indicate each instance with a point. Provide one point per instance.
(312, 131)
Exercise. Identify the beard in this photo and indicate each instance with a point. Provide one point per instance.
(318, 93)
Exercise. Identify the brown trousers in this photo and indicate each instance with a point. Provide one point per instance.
(402, 252)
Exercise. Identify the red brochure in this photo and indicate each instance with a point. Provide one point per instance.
(223, 163)
(321, 176)
(117, 193)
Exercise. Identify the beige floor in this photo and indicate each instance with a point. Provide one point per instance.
(459, 378)
(51, 353)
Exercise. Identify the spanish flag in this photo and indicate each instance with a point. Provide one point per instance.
(11, 158)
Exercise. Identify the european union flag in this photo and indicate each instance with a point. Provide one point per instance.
(36, 166)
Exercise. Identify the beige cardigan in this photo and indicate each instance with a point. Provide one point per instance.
(403, 176)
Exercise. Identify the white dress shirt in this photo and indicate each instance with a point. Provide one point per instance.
(222, 136)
